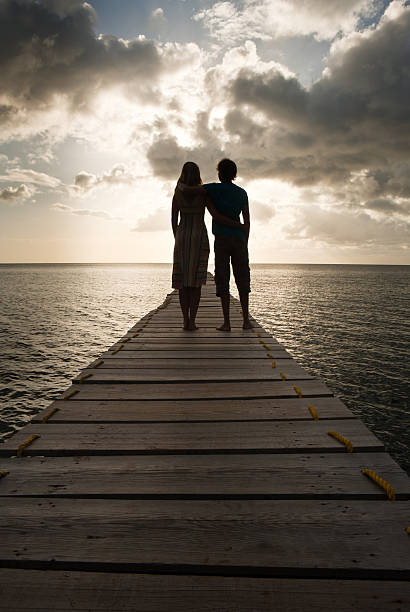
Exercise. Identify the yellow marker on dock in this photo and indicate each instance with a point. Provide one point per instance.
(117, 349)
(73, 392)
(298, 392)
(381, 482)
(283, 376)
(273, 364)
(3, 473)
(269, 355)
(23, 445)
(259, 335)
(407, 530)
(98, 363)
(342, 439)
(80, 380)
(48, 415)
(313, 413)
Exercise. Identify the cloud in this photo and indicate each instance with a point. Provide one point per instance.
(167, 157)
(84, 212)
(159, 220)
(157, 21)
(12, 194)
(356, 118)
(30, 176)
(54, 65)
(232, 22)
(262, 212)
(118, 175)
(386, 206)
(335, 227)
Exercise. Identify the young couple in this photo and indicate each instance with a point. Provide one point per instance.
(225, 201)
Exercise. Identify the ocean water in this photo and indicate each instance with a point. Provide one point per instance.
(348, 325)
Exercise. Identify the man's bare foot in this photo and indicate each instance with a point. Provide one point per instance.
(193, 327)
(224, 327)
(247, 324)
(186, 326)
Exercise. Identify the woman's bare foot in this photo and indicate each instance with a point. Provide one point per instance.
(247, 324)
(224, 327)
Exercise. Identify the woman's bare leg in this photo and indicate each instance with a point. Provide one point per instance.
(184, 303)
(194, 298)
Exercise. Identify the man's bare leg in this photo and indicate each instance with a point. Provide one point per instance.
(184, 303)
(225, 300)
(194, 297)
(244, 297)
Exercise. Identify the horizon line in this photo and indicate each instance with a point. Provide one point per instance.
(169, 263)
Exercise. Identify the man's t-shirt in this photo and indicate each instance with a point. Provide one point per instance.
(229, 200)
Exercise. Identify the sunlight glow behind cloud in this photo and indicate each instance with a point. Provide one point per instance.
(97, 126)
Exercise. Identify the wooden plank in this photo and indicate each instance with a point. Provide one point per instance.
(198, 362)
(343, 539)
(291, 370)
(216, 348)
(292, 476)
(195, 353)
(249, 436)
(115, 592)
(101, 411)
(192, 338)
(200, 333)
(206, 390)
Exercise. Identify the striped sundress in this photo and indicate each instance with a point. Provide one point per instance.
(191, 251)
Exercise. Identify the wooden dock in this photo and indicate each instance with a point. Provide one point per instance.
(194, 471)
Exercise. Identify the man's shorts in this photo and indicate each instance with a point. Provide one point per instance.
(233, 249)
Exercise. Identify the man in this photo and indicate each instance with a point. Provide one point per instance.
(231, 243)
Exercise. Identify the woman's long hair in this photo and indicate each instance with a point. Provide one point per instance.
(190, 174)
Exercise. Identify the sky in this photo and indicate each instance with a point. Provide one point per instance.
(102, 102)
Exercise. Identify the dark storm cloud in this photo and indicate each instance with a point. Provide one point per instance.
(167, 157)
(50, 48)
(355, 118)
(386, 206)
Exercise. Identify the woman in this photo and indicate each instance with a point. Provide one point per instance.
(191, 249)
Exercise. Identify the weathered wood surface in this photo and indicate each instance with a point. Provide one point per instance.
(292, 476)
(179, 348)
(129, 438)
(362, 539)
(194, 353)
(106, 411)
(118, 361)
(194, 373)
(192, 391)
(102, 592)
(175, 332)
(188, 340)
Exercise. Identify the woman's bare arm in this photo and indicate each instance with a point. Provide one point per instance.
(174, 215)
